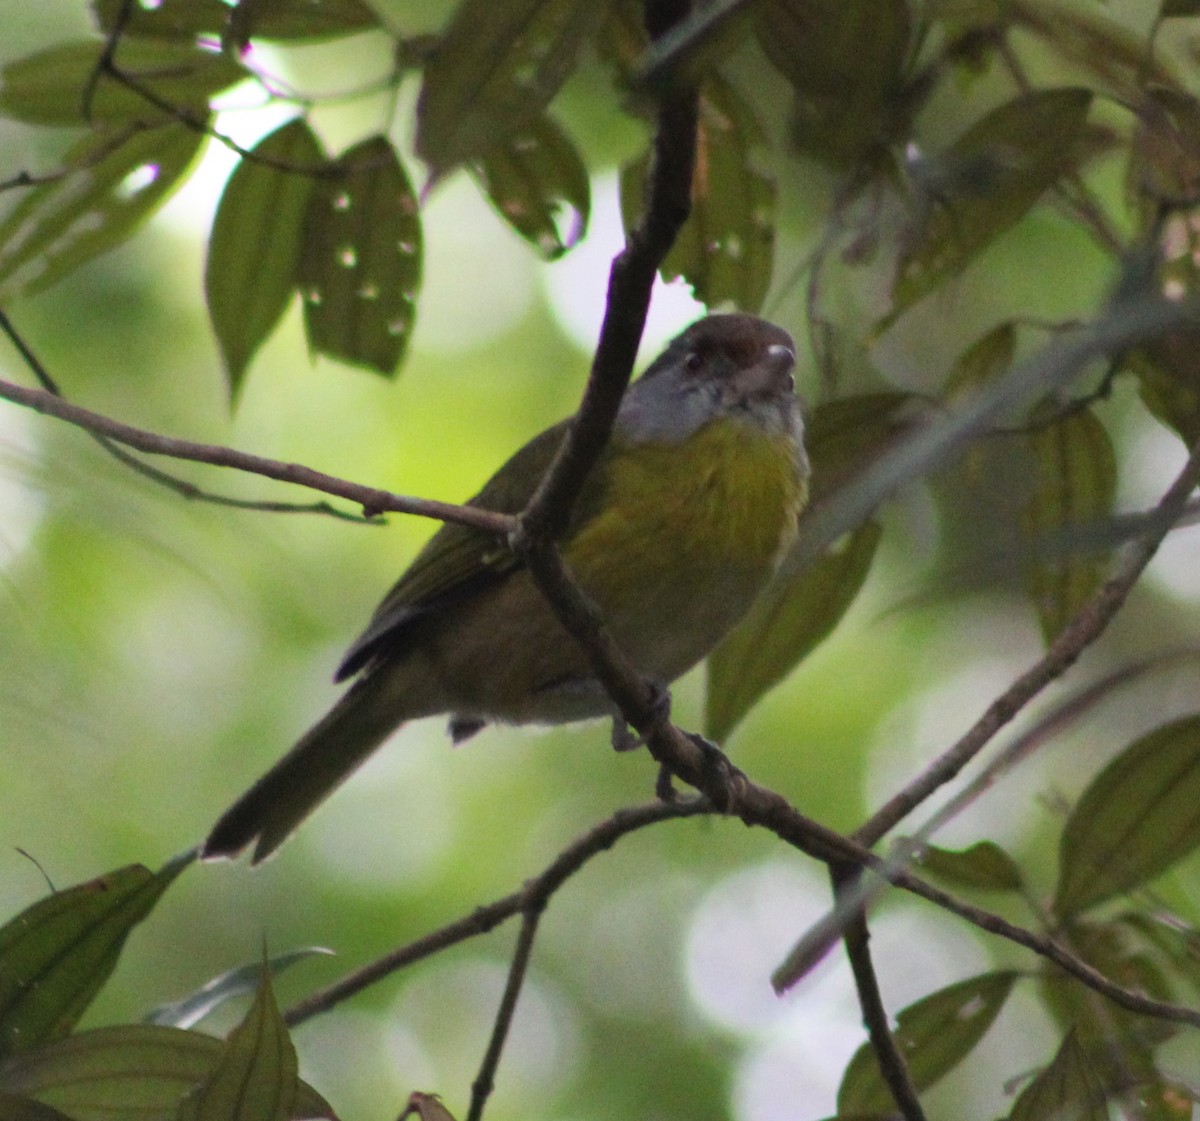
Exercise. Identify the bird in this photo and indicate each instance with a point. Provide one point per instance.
(679, 526)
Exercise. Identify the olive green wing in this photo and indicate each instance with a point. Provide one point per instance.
(457, 560)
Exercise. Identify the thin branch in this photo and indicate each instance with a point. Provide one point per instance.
(481, 1088)
(372, 500)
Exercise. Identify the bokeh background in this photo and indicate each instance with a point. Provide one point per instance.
(156, 655)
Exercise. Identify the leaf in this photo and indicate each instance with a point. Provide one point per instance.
(26, 1109)
(170, 19)
(934, 1035)
(1137, 818)
(844, 434)
(112, 186)
(1067, 1090)
(137, 1072)
(1075, 486)
(987, 357)
(687, 53)
(49, 87)
(1168, 376)
(987, 181)
(725, 250)
(255, 1078)
(787, 622)
(497, 67)
(1163, 159)
(530, 178)
(360, 270)
(298, 20)
(257, 240)
(426, 1107)
(56, 955)
(984, 865)
(227, 986)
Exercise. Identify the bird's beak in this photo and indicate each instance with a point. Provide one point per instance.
(771, 376)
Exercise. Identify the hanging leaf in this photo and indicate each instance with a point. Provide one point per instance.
(138, 1070)
(531, 178)
(56, 955)
(497, 67)
(1138, 817)
(169, 19)
(1067, 1090)
(987, 181)
(844, 434)
(985, 865)
(256, 243)
(113, 185)
(360, 270)
(1076, 485)
(255, 1078)
(934, 1035)
(50, 87)
(725, 250)
(298, 20)
(987, 357)
(789, 620)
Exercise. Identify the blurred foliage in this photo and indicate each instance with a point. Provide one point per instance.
(923, 193)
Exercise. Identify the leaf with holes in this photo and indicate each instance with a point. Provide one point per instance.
(255, 1078)
(793, 616)
(1067, 1090)
(496, 68)
(1139, 816)
(934, 1035)
(1075, 486)
(360, 270)
(52, 86)
(113, 184)
(986, 182)
(256, 243)
(725, 250)
(531, 178)
(56, 955)
(133, 1070)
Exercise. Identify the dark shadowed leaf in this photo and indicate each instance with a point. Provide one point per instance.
(114, 183)
(48, 88)
(255, 1078)
(934, 1035)
(1168, 373)
(26, 1109)
(1180, 8)
(360, 270)
(789, 620)
(171, 19)
(1075, 486)
(257, 239)
(538, 182)
(495, 70)
(687, 53)
(229, 985)
(1067, 1090)
(298, 20)
(1138, 817)
(138, 1072)
(725, 251)
(989, 355)
(56, 955)
(984, 865)
(986, 182)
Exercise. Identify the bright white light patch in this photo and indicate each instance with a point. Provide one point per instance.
(21, 505)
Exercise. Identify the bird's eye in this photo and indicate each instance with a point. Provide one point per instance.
(693, 362)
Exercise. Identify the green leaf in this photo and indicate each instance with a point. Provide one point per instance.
(934, 1035)
(987, 181)
(787, 622)
(984, 865)
(135, 1072)
(113, 184)
(497, 67)
(298, 20)
(842, 435)
(987, 357)
(1076, 485)
(1067, 1090)
(686, 54)
(233, 983)
(48, 88)
(1137, 818)
(725, 250)
(257, 241)
(360, 270)
(26, 1109)
(255, 1078)
(530, 178)
(56, 955)
(1168, 373)
(1179, 8)
(170, 19)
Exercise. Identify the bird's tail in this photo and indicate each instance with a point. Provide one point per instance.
(324, 757)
